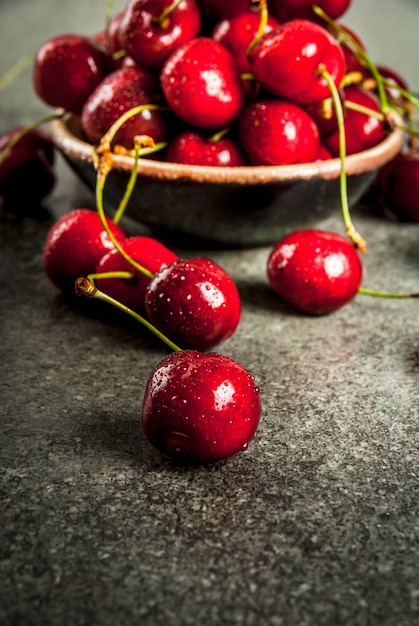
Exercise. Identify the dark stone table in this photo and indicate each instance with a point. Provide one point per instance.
(316, 524)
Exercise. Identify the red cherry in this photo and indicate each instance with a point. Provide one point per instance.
(314, 271)
(201, 84)
(398, 185)
(276, 132)
(31, 158)
(288, 61)
(222, 9)
(120, 91)
(194, 302)
(236, 33)
(362, 131)
(74, 245)
(150, 40)
(195, 149)
(146, 251)
(67, 68)
(287, 10)
(200, 408)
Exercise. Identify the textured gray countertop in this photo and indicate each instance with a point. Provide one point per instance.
(316, 524)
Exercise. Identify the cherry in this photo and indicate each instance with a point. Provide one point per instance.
(32, 157)
(74, 245)
(196, 149)
(222, 9)
(200, 408)
(150, 30)
(288, 61)
(276, 132)
(286, 10)
(120, 91)
(398, 186)
(201, 84)
(315, 271)
(237, 32)
(67, 68)
(147, 252)
(362, 130)
(194, 302)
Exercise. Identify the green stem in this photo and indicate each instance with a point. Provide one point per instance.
(85, 287)
(129, 188)
(358, 241)
(166, 13)
(24, 131)
(100, 184)
(264, 16)
(14, 71)
(385, 294)
(362, 56)
(114, 274)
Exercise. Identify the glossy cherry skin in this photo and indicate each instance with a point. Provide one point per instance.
(194, 148)
(236, 33)
(314, 271)
(276, 132)
(32, 158)
(67, 68)
(287, 10)
(149, 40)
(146, 251)
(194, 302)
(362, 131)
(200, 407)
(74, 245)
(123, 89)
(398, 184)
(201, 84)
(287, 61)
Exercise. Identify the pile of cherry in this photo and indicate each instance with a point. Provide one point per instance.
(223, 84)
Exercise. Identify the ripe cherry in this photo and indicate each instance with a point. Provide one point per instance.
(398, 186)
(201, 84)
(67, 68)
(74, 245)
(123, 89)
(150, 30)
(288, 61)
(200, 408)
(276, 132)
(362, 130)
(315, 271)
(236, 33)
(31, 158)
(194, 302)
(286, 10)
(196, 149)
(147, 252)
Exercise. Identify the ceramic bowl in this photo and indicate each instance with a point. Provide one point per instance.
(232, 206)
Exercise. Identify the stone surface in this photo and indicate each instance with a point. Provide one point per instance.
(316, 524)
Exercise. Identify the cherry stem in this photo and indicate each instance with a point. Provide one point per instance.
(14, 71)
(219, 134)
(27, 129)
(264, 15)
(129, 188)
(115, 274)
(352, 233)
(364, 58)
(100, 184)
(86, 287)
(385, 294)
(163, 18)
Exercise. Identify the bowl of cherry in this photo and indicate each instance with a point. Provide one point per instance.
(246, 142)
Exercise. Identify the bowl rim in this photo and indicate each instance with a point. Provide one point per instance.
(72, 146)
